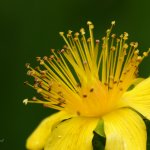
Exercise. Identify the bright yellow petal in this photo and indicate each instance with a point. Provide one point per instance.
(125, 130)
(38, 138)
(139, 98)
(73, 134)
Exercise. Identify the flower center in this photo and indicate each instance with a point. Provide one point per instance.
(87, 77)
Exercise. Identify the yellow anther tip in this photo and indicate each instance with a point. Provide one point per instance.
(61, 33)
(70, 31)
(39, 90)
(113, 22)
(139, 58)
(89, 23)
(25, 101)
(82, 31)
(145, 54)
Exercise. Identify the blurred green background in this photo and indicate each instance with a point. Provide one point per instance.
(29, 28)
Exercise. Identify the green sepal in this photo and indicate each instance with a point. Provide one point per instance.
(98, 142)
(99, 139)
(100, 128)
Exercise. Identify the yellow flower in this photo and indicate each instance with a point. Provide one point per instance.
(88, 82)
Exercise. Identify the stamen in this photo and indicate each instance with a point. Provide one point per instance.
(86, 74)
(25, 101)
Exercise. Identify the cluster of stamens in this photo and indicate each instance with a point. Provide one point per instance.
(86, 72)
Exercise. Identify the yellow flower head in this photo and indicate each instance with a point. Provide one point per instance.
(87, 81)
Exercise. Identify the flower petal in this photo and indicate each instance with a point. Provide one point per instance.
(73, 134)
(39, 137)
(139, 98)
(125, 130)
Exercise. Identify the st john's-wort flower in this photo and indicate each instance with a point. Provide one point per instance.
(88, 82)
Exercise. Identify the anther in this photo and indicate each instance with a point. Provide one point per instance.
(112, 48)
(38, 58)
(62, 50)
(52, 50)
(39, 90)
(82, 31)
(25, 101)
(59, 93)
(52, 57)
(76, 34)
(136, 52)
(97, 41)
(121, 89)
(36, 86)
(41, 62)
(113, 35)
(135, 44)
(26, 83)
(121, 36)
(125, 46)
(118, 40)
(61, 33)
(45, 58)
(113, 22)
(108, 31)
(103, 38)
(69, 32)
(92, 89)
(139, 58)
(29, 72)
(37, 68)
(89, 40)
(27, 65)
(84, 62)
(58, 60)
(84, 95)
(89, 23)
(43, 72)
(34, 98)
(65, 47)
(114, 82)
(145, 54)
(58, 51)
(125, 36)
(75, 39)
(49, 89)
(106, 84)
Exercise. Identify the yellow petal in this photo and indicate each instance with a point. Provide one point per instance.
(125, 130)
(38, 138)
(139, 98)
(73, 134)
